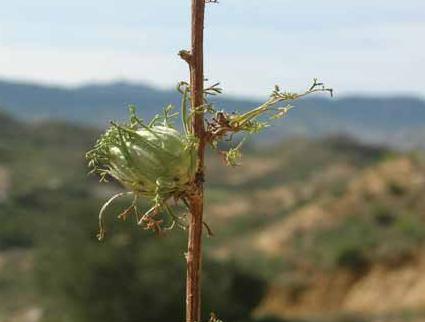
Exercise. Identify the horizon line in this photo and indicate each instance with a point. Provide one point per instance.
(168, 88)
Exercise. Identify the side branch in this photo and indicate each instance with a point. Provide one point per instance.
(224, 124)
(186, 56)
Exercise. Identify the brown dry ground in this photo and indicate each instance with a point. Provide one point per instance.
(383, 293)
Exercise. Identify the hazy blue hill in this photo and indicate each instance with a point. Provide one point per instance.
(394, 120)
(397, 121)
(92, 104)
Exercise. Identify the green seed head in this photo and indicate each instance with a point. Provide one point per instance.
(152, 161)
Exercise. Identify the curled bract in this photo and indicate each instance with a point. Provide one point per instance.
(152, 161)
(157, 162)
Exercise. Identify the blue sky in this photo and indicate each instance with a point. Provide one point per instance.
(363, 46)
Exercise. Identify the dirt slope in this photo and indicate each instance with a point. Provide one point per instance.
(383, 287)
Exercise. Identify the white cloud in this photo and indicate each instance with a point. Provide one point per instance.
(52, 65)
(356, 46)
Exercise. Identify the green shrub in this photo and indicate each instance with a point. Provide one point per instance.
(134, 277)
(353, 259)
(396, 189)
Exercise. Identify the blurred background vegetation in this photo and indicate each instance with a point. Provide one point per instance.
(323, 228)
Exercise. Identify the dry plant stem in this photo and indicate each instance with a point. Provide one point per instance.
(194, 253)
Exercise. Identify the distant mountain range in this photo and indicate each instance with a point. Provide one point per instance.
(397, 121)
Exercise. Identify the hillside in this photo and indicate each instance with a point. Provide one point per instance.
(366, 242)
(317, 230)
(395, 121)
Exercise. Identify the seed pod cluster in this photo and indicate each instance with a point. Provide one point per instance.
(152, 161)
